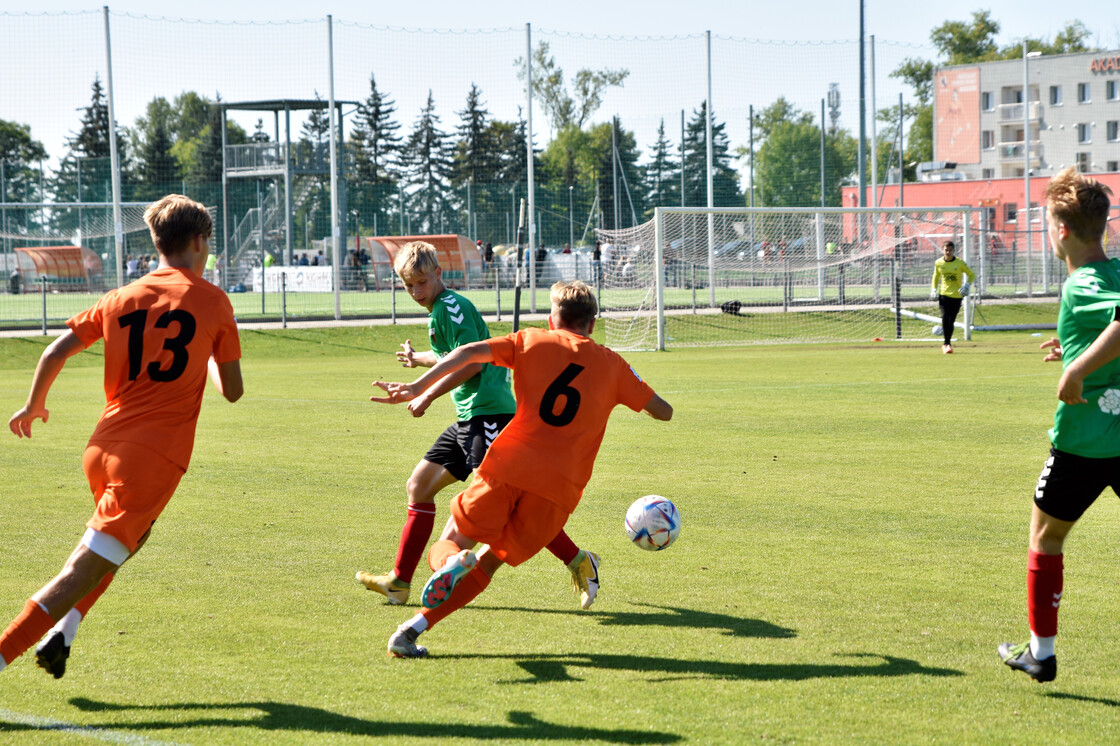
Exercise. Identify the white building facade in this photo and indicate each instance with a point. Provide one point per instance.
(1071, 115)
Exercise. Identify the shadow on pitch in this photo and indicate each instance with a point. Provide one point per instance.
(277, 716)
(553, 668)
(1083, 698)
(673, 616)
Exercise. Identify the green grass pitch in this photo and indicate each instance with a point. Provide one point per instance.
(853, 549)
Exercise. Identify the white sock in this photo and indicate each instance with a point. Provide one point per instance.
(1042, 647)
(419, 623)
(68, 626)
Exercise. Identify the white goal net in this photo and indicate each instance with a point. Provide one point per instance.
(699, 277)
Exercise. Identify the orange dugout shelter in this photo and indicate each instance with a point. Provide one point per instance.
(69, 267)
(458, 255)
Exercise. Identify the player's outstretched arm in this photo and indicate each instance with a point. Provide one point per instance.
(49, 366)
(227, 378)
(658, 409)
(460, 357)
(1104, 350)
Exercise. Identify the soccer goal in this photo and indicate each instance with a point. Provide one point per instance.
(732, 276)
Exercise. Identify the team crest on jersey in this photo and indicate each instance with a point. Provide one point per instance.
(1110, 402)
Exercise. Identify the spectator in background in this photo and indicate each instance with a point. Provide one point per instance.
(542, 254)
(567, 249)
(596, 261)
(153, 263)
(304, 261)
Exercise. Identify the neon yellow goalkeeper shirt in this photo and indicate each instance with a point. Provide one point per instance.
(947, 276)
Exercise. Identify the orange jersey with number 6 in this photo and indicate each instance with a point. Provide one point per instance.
(566, 386)
(160, 332)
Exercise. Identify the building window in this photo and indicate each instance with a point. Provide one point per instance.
(1083, 134)
(987, 102)
(987, 139)
(1083, 163)
(988, 173)
(1112, 90)
(1055, 95)
(1113, 130)
(1114, 166)
(1010, 212)
(1083, 93)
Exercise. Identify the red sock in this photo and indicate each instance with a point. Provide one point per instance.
(90, 599)
(440, 551)
(414, 537)
(563, 547)
(24, 631)
(466, 590)
(1044, 592)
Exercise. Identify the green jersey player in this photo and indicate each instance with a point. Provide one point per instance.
(484, 405)
(1085, 453)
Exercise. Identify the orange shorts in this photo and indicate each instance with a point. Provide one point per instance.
(515, 523)
(131, 485)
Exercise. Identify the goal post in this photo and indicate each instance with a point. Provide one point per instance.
(722, 276)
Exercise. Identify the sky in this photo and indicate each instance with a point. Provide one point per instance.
(809, 20)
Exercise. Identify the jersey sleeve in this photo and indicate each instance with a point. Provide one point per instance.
(227, 344)
(88, 326)
(936, 273)
(504, 349)
(1093, 304)
(632, 390)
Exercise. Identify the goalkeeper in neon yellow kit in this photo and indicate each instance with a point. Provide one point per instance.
(949, 289)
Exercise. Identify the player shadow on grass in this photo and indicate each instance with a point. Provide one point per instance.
(278, 716)
(553, 668)
(673, 616)
(1082, 698)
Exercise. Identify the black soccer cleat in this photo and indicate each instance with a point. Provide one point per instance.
(1020, 658)
(51, 654)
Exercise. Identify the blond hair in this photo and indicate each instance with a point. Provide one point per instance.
(174, 221)
(574, 303)
(1080, 202)
(416, 257)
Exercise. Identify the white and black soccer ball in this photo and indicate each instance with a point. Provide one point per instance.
(653, 522)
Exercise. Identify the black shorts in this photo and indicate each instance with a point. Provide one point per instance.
(460, 448)
(1069, 484)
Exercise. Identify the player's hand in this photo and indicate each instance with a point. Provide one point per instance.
(419, 405)
(965, 288)
(933, 295)
(407, 356)
(1055, 348)
(20, 423)
(1069, 389)
(395, 392)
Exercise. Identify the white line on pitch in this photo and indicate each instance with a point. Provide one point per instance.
(101, 734)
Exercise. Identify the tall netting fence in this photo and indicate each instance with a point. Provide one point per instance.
(430, 134)
(765, 276)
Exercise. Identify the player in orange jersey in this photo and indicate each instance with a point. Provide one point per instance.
(533, 476)
(163, 334)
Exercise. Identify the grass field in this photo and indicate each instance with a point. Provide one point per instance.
(853, 548)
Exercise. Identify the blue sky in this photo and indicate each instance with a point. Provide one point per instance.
(811, 20)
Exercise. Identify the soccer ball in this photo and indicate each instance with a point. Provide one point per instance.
(653, 522)
(937, 329)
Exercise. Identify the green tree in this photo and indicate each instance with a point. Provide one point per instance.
(663, 174)
(604, 165)
(787, 168)
(561, 107)
(725, 180)
(18, 152)
(427, 160)
(156, 168)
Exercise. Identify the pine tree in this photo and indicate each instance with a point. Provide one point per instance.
(427, 158)
(725, 180)
(376, 149)
(663, 174)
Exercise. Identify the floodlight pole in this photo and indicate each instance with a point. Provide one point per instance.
(711, 183)
(335, 228)
(114, 155)
(1027, 160)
